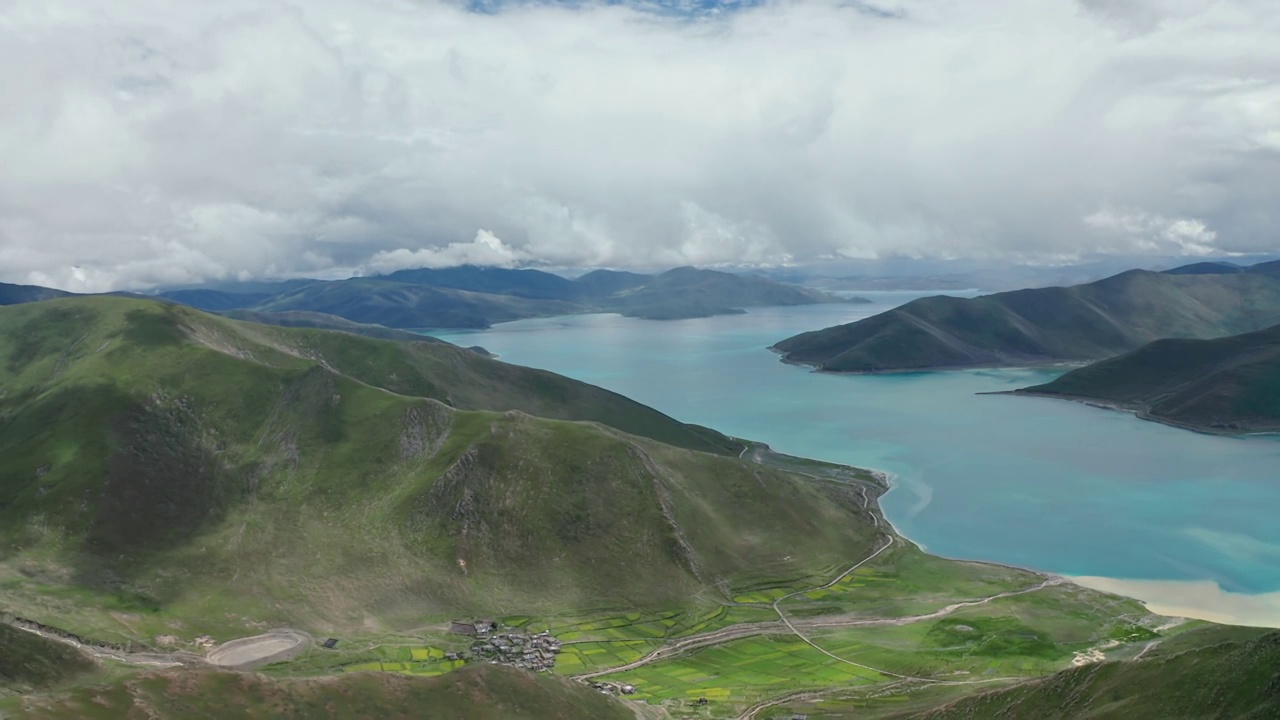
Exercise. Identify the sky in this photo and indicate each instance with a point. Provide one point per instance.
(156, 142)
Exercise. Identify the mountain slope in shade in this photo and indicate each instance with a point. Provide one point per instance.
(31, 663)
(1083, 322)
(475, 692)
(1229, 384)
(18, 294)
(1235, 679)
(215, 300)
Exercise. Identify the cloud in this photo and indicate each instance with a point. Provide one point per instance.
(147, 142)
(1138, 232)
(485, 249)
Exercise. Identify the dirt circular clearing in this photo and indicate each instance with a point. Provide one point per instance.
(251, 652)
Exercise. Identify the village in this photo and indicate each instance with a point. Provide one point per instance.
(529, 651)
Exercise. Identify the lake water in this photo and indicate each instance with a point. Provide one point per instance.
(1046, 484)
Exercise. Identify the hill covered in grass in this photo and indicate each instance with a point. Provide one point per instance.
(476, 692)
(1236, 678)
(171, 466)
(30, 663)
(1229, 384)
(1082, 322)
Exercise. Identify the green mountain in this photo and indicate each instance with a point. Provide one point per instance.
(1229, 384)
(17, 294)
(1082, 322)
(171, 473)
(1225, 676)
(184, 467)
(476, 692)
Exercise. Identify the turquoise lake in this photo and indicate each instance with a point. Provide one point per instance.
(1046, 484)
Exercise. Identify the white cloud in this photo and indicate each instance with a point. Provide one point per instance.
(485, 249)
(147, 141)
(1138, 232)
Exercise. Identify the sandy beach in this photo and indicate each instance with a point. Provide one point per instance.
(1200, 599)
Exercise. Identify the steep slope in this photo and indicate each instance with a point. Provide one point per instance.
(30, 663)
(1083, 322)
(193, 469)
(409, 305)
(1228, 384)
(18, 294)
(476, 692)
(1233, 679)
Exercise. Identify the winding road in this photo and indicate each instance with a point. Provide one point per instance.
(786, 625)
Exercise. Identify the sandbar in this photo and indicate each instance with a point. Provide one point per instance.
(1199, 599)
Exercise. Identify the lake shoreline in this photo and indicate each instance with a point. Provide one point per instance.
(1138, 411)
(1186, 599)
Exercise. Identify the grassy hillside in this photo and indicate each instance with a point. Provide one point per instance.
(1082, 322)
(1234, 679)
(320, 321)
(30, 663)
(477, 692)
(1228, 384)
(167, 466)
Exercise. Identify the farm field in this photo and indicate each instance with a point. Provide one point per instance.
(976, 627)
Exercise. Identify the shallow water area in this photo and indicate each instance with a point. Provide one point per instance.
(1047, 484)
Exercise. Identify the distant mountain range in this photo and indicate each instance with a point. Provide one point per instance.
(1046, 325)
(1229, 384)
(18, 294)
(476, 297)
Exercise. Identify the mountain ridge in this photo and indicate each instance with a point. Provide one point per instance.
(1222, 385)
(1045, 325)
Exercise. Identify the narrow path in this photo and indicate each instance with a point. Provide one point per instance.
(1146, 648)
(751, 712)
(743, 630)
(786, 625)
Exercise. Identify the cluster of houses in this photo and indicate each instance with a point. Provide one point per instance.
(536, 652)
(609, 688)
